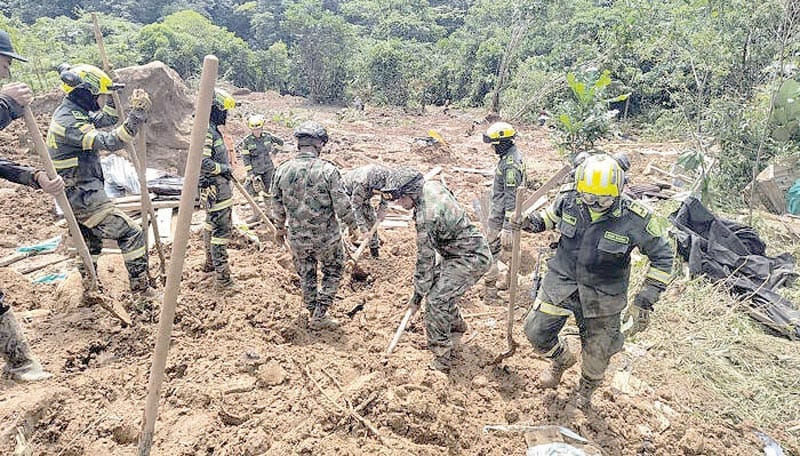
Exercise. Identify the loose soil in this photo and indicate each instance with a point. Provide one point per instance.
(245, 375)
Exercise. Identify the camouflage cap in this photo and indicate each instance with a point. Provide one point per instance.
(403, 181)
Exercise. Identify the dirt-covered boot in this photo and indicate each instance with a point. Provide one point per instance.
(551, 377)
(459, 325)
(225, 283)
(374, 252)
(20, 363)
(490, 295)
(321, 320)
(583, 395)
(442, 359)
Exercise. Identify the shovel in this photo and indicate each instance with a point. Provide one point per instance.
(286, 260)
(512, 284)
(93, 296)
(358, 272)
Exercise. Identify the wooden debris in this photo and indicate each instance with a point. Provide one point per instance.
(483, 172)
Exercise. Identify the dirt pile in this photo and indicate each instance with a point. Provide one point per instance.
(168, 124)
(246, 376)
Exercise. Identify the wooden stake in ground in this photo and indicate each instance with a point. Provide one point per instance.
(165, 321)
(115, 308)
(138, 164)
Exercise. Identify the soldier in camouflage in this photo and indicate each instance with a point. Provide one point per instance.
(216, 195)
(509, 175)
(75, 143)
(307, 199)
(589, 275)
(452, 255)
(256, 149)
(20, 365)
(360, 185)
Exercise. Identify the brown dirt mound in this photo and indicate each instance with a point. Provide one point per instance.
(246, 376)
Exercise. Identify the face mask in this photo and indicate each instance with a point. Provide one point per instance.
(598, 203)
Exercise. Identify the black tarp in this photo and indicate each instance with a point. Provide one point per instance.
(732, 253)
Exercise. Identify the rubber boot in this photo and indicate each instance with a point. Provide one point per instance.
(20, 363)
(374, 251)
(460, 325)
(225, 282)
(321, 320)
(551, 377)
(583, 396)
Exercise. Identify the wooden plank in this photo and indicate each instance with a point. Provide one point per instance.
(430, 174)
(13, 258)
(483, 172)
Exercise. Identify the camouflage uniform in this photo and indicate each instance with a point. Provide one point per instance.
(359, 184)
(257, 161)
(588, 277)
(217, 198)
(74, 144)
(307, 197)
(509, 175)
(444, 228)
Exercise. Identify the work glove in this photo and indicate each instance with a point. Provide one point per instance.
(355, 236)
(258, 184)
(140, 100)
(51, 186)
(533, 223)
(19, 92)
(506, 239)
(647, 296)
(226, 172)
(414, 301)
(638, 319)
(208, 195)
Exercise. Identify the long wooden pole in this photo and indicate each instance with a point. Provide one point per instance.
(61, 198)
(138, 164)
(147, 204)
(400, 329)
(188, 194)
(256, 208)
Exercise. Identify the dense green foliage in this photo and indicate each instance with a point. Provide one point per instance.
(699, 69)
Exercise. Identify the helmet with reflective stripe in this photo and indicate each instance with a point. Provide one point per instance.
(223, 100)
(600, 175)
(84, 76)
(499, 131)
(256, 121)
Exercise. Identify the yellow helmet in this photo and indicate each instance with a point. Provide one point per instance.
(497, 132)
(85, 76)
(223, 100)
(600, 175)
(256, 121)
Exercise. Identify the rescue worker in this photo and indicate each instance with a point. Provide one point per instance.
(588, 276)
(508, 176)
(452, 255)
(360, 185)
(307, 199)
(74, 143)
(20, 365)
(256, 149)
(216, 194)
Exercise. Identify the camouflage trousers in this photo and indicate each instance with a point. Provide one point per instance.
(130, 239)
(330, 260)
(600, 337)
(498, 253)
(367, 217)
(452, 278)
(216, 235)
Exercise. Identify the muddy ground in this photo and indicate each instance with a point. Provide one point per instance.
(246, 377)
